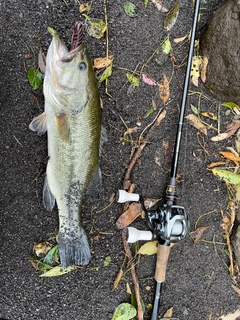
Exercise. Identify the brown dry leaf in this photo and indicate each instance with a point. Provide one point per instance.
(215, 164)
(84, 7)
(168, 314)
(118, 278)
(196, 122)
(235, 288)
(230, 316)
(197, 234)
(232, 128)
(133, 211)
(164, 91)
(159, 5)
(226, 225)
(204, 69)
(41, 249)
(100, 63)
(231, 156)
(131, 130)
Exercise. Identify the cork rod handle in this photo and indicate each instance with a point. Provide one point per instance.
(161, 264)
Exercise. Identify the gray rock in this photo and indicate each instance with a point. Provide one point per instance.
(220, 42)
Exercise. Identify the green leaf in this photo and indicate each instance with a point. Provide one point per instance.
(107, 261)
(106, 74)
(146, 2)
(148, 248)
(230, 105)
(132, 79)
(125, 311)
(150, 111)
(194, 109)
(96, 27)
(130, 9)
(227, 176)
(134, 301)
(35, 78)
(166, 46)
(51, 256)
(171, 17)
(57, 271)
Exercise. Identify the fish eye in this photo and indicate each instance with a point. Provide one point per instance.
(82, 66)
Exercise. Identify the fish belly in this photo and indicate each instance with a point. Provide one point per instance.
(73, 146)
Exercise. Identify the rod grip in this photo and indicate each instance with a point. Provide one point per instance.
(161, 263)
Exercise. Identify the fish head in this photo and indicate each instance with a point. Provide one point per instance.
(69, 76)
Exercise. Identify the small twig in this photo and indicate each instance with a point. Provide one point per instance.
(126, 181)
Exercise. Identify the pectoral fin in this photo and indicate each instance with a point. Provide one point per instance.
(48, 198)
(39, 124)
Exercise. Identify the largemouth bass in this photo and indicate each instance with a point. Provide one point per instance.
(72, 119)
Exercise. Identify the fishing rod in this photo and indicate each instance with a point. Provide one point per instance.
(171, 222)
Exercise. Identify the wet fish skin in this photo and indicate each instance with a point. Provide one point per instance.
(72, 118)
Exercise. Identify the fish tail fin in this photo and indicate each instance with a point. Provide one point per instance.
(74, 250)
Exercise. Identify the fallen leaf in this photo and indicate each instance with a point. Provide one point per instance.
(168, 314)
(148, 80)
(227, 176)
(195, 69)
(57, 271)
(149, 248)
(210, 115)
(215, 164)
(166, 46)
(230, 105)
(125, 311)
(159, 5)
(237, 187)
(96, 27)
(171, 17)
(131, 130)
(100, 63)
(129, 291)
(230, 316)
(235, 288)
(197, 234)
(232, 128)
(164, 91)
(107, 261)
(132, 79)
(41, 249)
(229, 155)
(204, 68)
(196, 122)
(177, 40)
(84, 7)
(106, 74)
(42, 61)
(134, 210)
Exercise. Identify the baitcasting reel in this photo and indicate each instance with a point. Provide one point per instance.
(168, 223)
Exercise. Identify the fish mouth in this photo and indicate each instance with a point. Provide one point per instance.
(59, 47)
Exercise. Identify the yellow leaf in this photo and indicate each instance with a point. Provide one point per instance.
(100, 63)
(164, 91)
(196, 122)
(177, 40)
(57, 271)
(195, 69)
(96, 27)
(84, 7)
(148, 248)
(210, 115)
(129, 291)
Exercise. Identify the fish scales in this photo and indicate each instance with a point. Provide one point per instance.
(72, 118)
